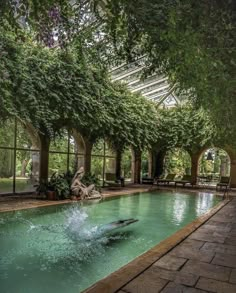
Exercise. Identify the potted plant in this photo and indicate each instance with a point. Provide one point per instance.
(47, 189)
(57, 187)
(60, 184)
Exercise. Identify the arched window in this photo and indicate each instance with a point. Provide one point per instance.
(19, 157)
(177, 161)
(7, 155)
(102, 160)
(66, 152)
(27, 158)
(213, 163)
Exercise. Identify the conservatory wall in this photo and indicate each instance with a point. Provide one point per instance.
(19, 157)
(103, 160)
(66, 153)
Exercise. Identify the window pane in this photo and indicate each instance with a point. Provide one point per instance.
(144, 169)
(60, 144)
(57, 163)
(27, 137)
(7, 133)
(98, 148)
(76, 161)
(126, 163)
(6, 170)
(73, 146)
(27, 170)
(110, 165)
(109, 151)
(97, 166)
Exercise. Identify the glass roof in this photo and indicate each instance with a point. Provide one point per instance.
(155, 87)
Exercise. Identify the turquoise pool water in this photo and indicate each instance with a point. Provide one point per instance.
(59, 249)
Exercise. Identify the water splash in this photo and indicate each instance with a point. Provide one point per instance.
(70, 244)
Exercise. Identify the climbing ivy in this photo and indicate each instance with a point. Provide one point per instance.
(185, 127)
(52, 88)
(192, 42)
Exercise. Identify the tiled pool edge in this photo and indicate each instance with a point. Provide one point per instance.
(113, 282)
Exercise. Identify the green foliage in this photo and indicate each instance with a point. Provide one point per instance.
(89, 179)
(60, 183)
(126, 163)
(52, 88)
(192, 42)
(177, 162)
(185, 127)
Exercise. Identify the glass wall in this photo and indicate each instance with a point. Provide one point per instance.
(65, 154)
(126, 165)
(144, 164)
(103, 160)
(19, 157)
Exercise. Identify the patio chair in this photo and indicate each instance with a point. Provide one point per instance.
(169, 178)
(186, 179)
(224, 183)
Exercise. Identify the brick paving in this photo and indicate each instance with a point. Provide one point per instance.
(204, 262)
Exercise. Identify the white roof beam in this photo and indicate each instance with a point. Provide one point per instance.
(156, 90)
(141, 87)
(127, 74)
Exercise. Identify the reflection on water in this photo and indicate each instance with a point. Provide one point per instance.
(203, 201)
(180, 208)
(66, 249)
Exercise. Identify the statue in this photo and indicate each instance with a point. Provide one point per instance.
(79, 189)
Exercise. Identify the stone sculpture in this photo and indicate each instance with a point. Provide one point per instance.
(79, 189)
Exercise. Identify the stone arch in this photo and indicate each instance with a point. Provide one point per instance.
(28, 147)
(79, 141)
(33, 135)
(80, 151)
(196, 157)
(136, 165)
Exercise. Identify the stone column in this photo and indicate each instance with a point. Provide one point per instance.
(44, 158)
(194, 167)
(80, 148)
(87, 155)
(118, 163)
(136, 165)
(233, 172)
(158, 167)
(150, 163)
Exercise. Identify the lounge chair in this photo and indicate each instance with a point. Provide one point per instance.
(111, 180)
(169, 178)
(186, 179)
(223, 183)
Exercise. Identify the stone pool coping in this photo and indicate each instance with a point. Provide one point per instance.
(16, 203)
(20, 202)
(118, 279)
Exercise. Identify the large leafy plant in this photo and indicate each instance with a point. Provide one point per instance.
(89, 179)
